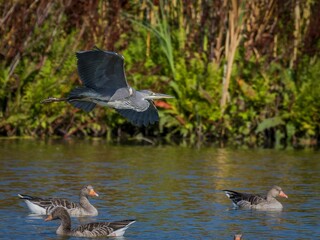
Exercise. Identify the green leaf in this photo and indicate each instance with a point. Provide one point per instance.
(269, 123)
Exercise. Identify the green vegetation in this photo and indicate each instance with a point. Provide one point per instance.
(246, 72)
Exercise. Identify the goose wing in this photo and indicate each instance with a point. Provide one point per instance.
(48, 203)
(103, 228)
(244, 199)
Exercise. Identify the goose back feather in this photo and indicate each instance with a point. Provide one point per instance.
(95, 229)
(44, 206)
(254, 201)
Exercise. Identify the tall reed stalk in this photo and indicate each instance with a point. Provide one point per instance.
(161, 30)
(302, 14)
(235, 26)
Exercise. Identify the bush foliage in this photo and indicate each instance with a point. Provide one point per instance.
(243, 71)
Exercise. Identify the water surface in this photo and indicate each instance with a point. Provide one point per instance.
(173, 192)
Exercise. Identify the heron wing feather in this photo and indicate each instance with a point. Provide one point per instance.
(120, 94)
(77, 98)
(85, 106)
(145, 118)
(102, 71)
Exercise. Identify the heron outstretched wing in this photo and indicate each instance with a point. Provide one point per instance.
(102, 71)
(145, 118)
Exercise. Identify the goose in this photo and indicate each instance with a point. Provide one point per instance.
(95, 229)
(237, 237)
(43, 206)
(251, 201)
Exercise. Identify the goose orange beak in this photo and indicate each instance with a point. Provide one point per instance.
(49, 218)
(282, 194)
(93, 193)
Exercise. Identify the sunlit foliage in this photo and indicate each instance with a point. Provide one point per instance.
(242, 71)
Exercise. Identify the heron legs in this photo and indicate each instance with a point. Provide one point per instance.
(53, 99)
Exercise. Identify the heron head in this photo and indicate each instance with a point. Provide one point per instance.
(149, 95)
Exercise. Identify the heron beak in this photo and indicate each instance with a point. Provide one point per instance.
(49, 218)
(158, 96)
(93, 193)
(282, 194)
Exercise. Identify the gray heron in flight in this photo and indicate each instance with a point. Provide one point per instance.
(104, 83)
